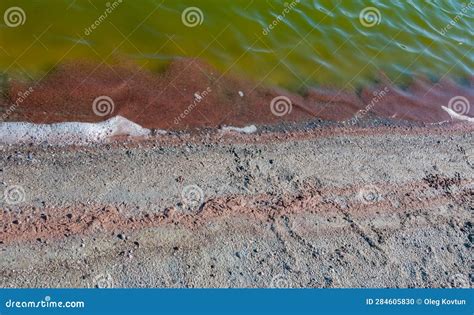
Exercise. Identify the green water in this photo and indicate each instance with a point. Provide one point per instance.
(317, 42)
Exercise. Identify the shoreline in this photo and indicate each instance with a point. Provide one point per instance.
(120, 131)
(192, 95)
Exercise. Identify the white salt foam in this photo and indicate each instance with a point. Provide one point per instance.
(248, 129)
(68, 133)
(457, 116)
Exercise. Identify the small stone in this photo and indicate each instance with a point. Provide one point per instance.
(241, 94)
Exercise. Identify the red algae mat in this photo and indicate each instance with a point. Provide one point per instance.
(191, 94)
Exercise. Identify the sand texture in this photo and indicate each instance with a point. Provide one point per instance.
(323, 207)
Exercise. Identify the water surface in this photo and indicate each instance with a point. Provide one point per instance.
(316, 42)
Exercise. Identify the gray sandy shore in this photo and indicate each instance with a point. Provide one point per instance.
(347, 210)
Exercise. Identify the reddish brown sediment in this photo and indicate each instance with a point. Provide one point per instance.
(420, 101)
(168, 101)
(32, 224)
(153, 101)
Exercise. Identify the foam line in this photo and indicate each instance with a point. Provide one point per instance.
(457, 116)
(68, 133)
(248, 129)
